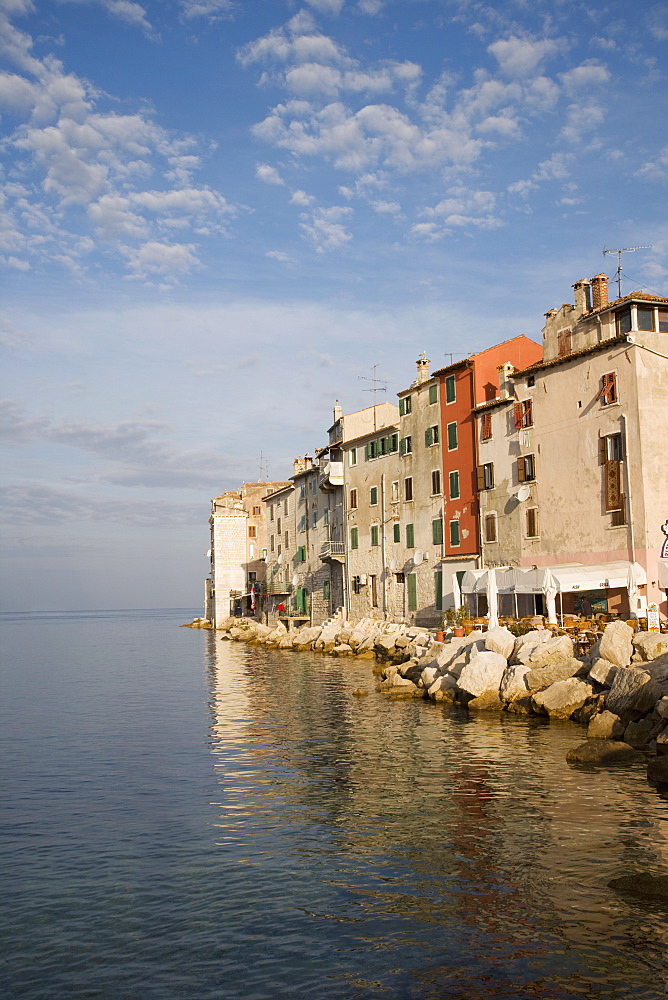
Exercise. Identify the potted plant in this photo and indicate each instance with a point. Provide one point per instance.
(461, 618)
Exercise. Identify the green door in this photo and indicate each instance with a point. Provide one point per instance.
(411, 580)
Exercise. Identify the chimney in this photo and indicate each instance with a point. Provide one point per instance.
(582, 296)
(505, 385)
(599, 287)
(422, 363)
(298, 466)
(338, 411)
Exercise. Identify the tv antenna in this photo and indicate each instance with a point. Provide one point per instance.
(264, 468)
(619, 253)
(451, 354)
(378, 385)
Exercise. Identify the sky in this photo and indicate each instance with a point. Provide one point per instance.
(219, 216)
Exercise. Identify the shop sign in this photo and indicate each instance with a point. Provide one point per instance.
(653, 618)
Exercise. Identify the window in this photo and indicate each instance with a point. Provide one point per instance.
(486, 427)
(257, 511)
(314, 519)
(412, 592)
(399, 577)
(532, 522)
(395, 491)
(287, 539)
(271, 543)
(406, 445)
(523, 414)
(485, 476)
(353, 499)
(251, 552)
(252, 531)
(490, 528)
(301, 553)
(450, 391)
(408, 488)
(437, 531)
(431, 436)
(608, 391)
(454, 485)
(353, 456)
(354, 538)
(396, 532)
(526, 469)
(433, 394)
(454, 533)
(302, 491)
(374, 496)
(410, 536)
(645, 318)
(271, 512)
(663, 320)
(374, 535)
(438, 591)
(314, 485)
(285, 507)
(405, 406)
(326, 590)
(610, 448)
(325, 516)
(623, 320)
(302, 522)
(564, 343)
(452, 436)
(531, 381)
(278, 549)
(263, 554)
(435, 482)
(357, 585)
(278, 525)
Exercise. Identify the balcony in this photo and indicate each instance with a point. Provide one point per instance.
(274, 587)
(331, 476)
(333, 550)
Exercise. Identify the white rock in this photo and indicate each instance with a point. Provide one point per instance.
(513, 684)
(500, 640)
(560, 700)
(616, 645)
(483, 673)
(603, 672)
(605, 726)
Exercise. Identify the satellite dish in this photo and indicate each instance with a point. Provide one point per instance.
(418, 556)
(393, 565)
(280, 559)
(295, 580)
(523, 493)
(208, 553)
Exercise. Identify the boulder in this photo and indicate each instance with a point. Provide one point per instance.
(328, 639)
(657, 770)
(483, 673)
(603, 752)
(643, 731)
(632, 690)
(537, 680)
(489, 701)
(500, 640)
(443, 689)
(521, 706)
(402, 641)
(644, 885)
(527, 643)
(412, 670)
(305, 637)
(650, 645)
(662, 743)
(513, 684)
(605, 726)
(603, 672)
(561, 699)
(662, 707)
(552, 652)
(386, 645)
(615, 645)
(428, 676)
(343, 649)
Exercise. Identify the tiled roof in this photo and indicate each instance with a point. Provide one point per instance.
(540, 365)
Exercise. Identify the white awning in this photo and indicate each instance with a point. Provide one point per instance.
(474, 581)
(663, 574)
(576, 577)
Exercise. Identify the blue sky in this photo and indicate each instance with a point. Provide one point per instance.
(217, 216)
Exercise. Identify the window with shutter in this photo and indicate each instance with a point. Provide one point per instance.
(353, 499)
(490, 527)
(353, 456)
(529, 468)
(564, 343)
(486, 427)
(302, 491)
(411, 581)
(433, 394)
(410, 536)
(520, 470)
(402, 407)
(428, 437)
(301, 553)
(452, 435)
(408, 488)
(438, 591)
(480, 477)
(454, 533)
(437, 531)
(608, 391)
(523, 413)
(532, 522)
(454, 485)
(450, 389)
(435, 482)
(396, 532)
(252, 531)
(408, 404)
(517, 415)
(354, 538)
(374, 496)
(325, 516)
(374, 534)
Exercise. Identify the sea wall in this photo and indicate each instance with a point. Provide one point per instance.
(618, 689)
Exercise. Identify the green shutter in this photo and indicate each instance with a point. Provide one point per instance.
(374, 534)
(367, 451)
(433, 393)
(410, 536)
(394, 442)
(452, 436)
(301, 553)
(450, 389)
(402, 446)
(438, 591)
(437, 531)
(396, 530)
(374, 496)
(411, 580)
(402, 408)
(353, 538)
(454, 533)
(326, 591)
(429, 436)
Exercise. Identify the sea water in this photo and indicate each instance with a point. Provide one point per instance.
(185, 817)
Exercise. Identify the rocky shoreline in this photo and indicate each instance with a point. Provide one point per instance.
(619, 689)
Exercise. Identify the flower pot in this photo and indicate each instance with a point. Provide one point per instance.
(440, 636)
(459, 631)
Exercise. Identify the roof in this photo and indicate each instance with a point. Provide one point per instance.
(604, 345)
(472, 357)
(281, 488)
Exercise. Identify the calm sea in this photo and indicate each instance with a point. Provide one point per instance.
(191, 818)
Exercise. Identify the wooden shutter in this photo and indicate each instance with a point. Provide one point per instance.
(429, 436)
(402, 407)
(602, 451)
(480, 476)
(433, 393)
(396, 532)
(521, 470)
(402, 446)
(437, 531)
(438, 591)
(412, 592)
(517, 415)
(410, 536)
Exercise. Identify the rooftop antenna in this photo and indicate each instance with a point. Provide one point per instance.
(264, 468)
(383, 383)
(451, 354)
(619, 253)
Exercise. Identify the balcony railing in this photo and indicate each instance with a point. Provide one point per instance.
(276, 587)
(333, 550)
(331, 476)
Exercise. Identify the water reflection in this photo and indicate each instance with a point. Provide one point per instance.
(405, 849)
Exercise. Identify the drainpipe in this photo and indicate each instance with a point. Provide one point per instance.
(382, 543)
(629, 500)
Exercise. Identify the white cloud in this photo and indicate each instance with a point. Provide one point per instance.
(655, 169)
(557, 167)
(324, 228)
(586, 75)
(125, 10)
(519, 57)
(268, 174)
(386, 207)
(282, 258)
(327, 6)
(465, 208)
(582, 120)
(212, 9)
(167, 260)
(300, 197)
